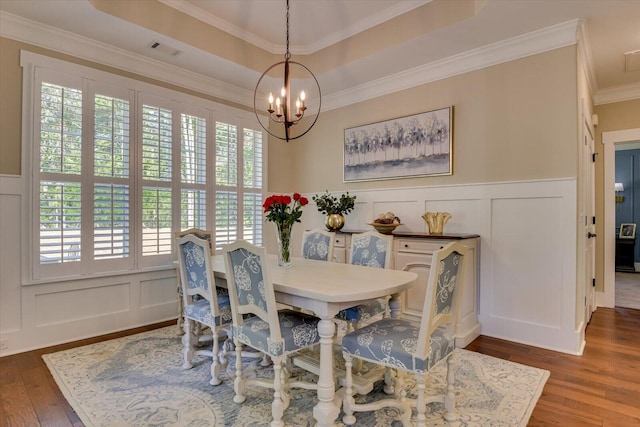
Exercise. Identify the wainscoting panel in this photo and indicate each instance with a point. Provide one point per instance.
(159, 298)
(526, 261)
(527, 276)
(464, 214)
(74, 305)
(10, 248)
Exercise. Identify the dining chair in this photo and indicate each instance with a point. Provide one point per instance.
(201, 234)
(278, 333)
(370, 249)
(201, 303)
(318, 244)
(411, 347)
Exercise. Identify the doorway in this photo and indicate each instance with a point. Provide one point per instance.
(627, 167)
(609, 140)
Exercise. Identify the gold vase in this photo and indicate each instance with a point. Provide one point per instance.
(436, 221)
(334, 222)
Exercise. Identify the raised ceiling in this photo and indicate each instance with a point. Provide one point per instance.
(353, 46)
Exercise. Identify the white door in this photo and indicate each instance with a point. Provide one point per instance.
(588, 218)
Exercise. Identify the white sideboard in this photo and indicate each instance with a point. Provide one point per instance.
(417, 248)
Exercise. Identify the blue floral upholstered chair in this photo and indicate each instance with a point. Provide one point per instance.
(411, 347)
(201, 303)
(371, 249)
(201, 234)
(278, 333)
(318, 244)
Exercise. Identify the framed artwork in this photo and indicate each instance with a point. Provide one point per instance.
(627, 231)
(416, 145)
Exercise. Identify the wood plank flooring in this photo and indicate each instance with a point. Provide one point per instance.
(600, 388)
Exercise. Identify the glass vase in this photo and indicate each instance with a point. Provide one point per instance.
(283, 234)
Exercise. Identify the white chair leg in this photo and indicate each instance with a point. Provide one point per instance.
(389, 381)
(180, 322)
(285, 392)
(187, 342)
(450, 413)
(348, 401)
(277, 407)
(238, 383)
(266, 360)
(421, 404)
(215, 363)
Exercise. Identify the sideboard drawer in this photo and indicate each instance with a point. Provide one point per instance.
(419, 245)
(340, 241)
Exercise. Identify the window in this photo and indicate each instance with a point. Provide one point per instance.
(120, 165)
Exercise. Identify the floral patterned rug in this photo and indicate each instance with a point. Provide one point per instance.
(138, 381)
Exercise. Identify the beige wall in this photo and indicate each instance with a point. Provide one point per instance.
(611, 117)
(10, 112)
(11, 99)
(513, 121)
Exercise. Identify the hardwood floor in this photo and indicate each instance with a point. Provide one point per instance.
(600, 388)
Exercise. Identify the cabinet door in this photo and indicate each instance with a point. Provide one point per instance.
(413, 298)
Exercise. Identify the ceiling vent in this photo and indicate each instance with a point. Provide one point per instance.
(164, 48)
(632, 61)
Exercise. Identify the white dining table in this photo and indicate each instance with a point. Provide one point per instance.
(326, 288)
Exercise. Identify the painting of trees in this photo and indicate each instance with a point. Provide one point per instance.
(408, 146)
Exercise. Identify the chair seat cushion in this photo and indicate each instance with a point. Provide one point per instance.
(364, 311)
(200, 311)
(393, 342)
(299, 330)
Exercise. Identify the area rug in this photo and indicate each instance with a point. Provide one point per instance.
(138, 381)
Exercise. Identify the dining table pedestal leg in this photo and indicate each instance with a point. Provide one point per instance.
(327, 410)
(395, 305)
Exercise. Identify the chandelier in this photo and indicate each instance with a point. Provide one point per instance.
(285, 115)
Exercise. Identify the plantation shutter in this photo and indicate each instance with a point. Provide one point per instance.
(226, 196)
(193, 172)
(157, 128)
(252, 179)
(60, 168)
(111, 191)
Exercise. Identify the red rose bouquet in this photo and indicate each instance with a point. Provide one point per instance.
(284, 211)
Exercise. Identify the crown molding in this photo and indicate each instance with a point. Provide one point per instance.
(554, 37)
(617, 94)
(47, 37)
(208, 18)
(546, 39)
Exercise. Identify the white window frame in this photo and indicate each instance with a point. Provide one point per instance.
(94, 81)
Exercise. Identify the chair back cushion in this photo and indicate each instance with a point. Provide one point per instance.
(318, 244)
(250, 287)
(371, 249)
(201, 300)
(193, 254)
(440, 311)
(200, 234)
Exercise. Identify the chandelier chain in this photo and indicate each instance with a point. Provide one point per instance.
(287, 55)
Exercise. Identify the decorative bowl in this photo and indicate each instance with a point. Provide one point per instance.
(384, 228)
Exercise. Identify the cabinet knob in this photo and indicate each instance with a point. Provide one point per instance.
(441, 247)
(590, 235)
(406, 245)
